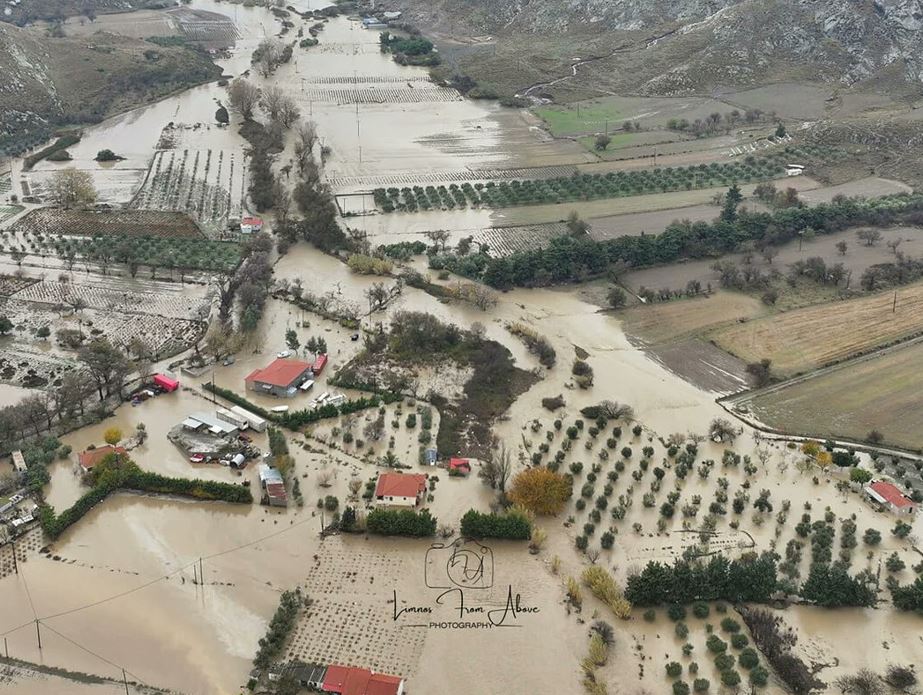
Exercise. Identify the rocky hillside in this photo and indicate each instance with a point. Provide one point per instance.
(48, 82)
(675, 46)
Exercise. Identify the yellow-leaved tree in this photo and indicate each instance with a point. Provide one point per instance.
(540, 490)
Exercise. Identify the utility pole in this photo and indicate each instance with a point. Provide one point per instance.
(894, 305)
(125, 681)
(201, 572)
(38, 633)
(15, 565)
(6, 648)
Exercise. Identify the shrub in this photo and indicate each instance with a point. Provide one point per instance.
(700, 609)
(749, 658)
(716, 644)
(603, 587)
(730, 678)
(723, 662)
(401, 522)
(676, 612)
(701, 685)
(650, 615)
(674, 669)
(730, 625)
(512, 524)
(680, 688)
(739, 640)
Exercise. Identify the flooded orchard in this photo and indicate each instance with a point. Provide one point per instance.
(179, 592)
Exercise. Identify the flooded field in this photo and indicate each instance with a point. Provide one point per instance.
(179, 592)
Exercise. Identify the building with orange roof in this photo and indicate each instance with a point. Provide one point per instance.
(281, 378)
(400, 489)
(349, 680)
(89, 458)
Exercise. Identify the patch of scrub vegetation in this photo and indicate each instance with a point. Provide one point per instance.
(419, 340)
(411, 50)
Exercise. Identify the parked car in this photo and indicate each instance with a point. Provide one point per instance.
(284, 353)
(354, 337)
(16, 499)
(228, 361)
(197, 458)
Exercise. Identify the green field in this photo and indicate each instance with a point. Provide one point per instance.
(881, 393)
(580, 117)
(652, 113)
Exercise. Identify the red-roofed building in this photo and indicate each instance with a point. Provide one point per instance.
(348, 680)
(165, 382)
(89, 458)
(281, 378)
(400, 489)
(890, 497)
(251, 225)
(459, 467)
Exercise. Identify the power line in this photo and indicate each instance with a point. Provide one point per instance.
(91, 652)
(127, 592)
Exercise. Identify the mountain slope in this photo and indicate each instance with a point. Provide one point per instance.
(682, 46)
(47, 82)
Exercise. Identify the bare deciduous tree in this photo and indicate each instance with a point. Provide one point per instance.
(243, 97)
(71, 188)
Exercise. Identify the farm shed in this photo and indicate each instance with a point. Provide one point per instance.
(306, 675)
(168, 384)
(19, 463)
(281, 378)
(273, 486)
(349, 680)
(239, 421)
(890, 497)
(319, 364)
(459, 466)
(89, 458)
(199, 422)
(400, 489)
(255, 421)
(251, 225)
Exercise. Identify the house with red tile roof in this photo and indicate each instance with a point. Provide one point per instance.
(281, 378)
(349, 680)
(89, 458)
(458, 466)
(890, 497)
(400, 489)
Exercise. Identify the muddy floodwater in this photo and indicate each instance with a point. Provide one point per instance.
(178, 593)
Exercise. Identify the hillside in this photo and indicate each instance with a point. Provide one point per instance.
(673, 46)
(48, 82)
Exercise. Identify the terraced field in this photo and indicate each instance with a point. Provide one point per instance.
(805, 339)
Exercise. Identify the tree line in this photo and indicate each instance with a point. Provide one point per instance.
(573, 259)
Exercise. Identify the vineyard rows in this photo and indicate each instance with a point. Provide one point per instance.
(505, 241)
(409, 95)
(207, 184)
(55, 221)
(365, 79)
(172, 305)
